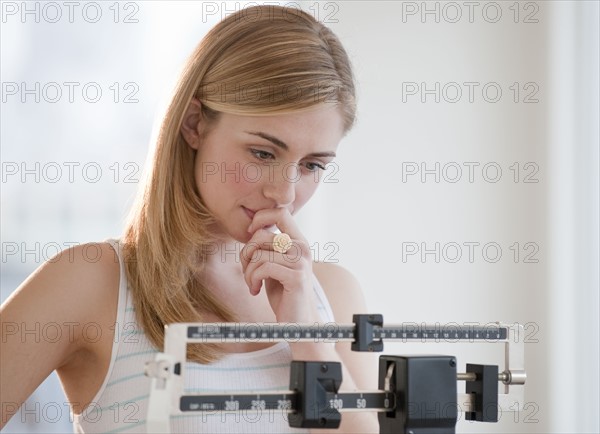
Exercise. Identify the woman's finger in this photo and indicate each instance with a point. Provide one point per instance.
(279, 217)
(262, 239)
(290, 279)
(262, 256)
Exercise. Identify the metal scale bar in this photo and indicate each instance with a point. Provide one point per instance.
(275, 332)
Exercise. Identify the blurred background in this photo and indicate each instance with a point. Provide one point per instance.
(474, 159)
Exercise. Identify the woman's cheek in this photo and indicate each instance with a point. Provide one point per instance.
(244, 184)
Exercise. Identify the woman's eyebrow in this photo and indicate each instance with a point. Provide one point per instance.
(270, 138)
(282, 145)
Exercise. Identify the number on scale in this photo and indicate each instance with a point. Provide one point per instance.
(336, 403)
(284, 404)
(232, 405)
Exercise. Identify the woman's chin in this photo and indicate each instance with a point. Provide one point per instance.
(244, 239)
(240, 236)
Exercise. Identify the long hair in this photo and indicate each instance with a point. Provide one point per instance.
(262, 60)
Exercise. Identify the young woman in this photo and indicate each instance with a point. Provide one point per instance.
(257, 114)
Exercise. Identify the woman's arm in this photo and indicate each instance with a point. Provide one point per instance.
(42, 320)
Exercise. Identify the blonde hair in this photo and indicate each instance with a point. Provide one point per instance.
(263, 60)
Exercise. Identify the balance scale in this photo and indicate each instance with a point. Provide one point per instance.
(416, 393)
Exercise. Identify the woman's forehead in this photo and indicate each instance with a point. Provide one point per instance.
(324, 125)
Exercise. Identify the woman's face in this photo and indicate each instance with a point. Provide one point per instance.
(248, 163)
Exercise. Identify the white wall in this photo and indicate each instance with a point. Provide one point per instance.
(377, 210)
(572, 301)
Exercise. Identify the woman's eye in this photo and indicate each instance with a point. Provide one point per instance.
(262, 155)
(313, 167)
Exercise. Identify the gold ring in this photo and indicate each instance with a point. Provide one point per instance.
(282, 243)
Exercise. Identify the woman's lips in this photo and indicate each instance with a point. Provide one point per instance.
(250, 215)
(249, 212)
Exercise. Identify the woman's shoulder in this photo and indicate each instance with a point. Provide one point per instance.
(79, 284)
(341, 288)
(328, 270)
(92, 277)
(88, 271)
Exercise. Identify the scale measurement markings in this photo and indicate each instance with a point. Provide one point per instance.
(238, 402)
(255, 332)
(286, 402)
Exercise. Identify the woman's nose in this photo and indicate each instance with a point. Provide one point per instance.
(281, 187)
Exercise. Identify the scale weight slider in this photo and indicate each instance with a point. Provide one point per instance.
(313, 382)
(426, 393)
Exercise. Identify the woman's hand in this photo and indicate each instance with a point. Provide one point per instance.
(288, 276)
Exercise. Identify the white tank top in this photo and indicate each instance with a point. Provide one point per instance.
(121, 403)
